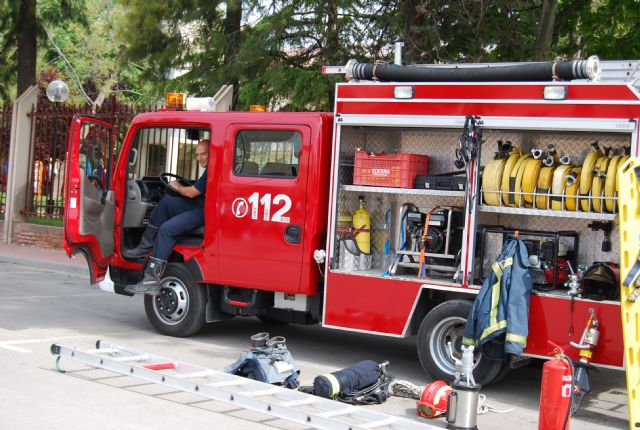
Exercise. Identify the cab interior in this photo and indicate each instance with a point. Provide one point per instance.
(157, 150)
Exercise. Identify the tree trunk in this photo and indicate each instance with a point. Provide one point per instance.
(27, 45)
(545, 32)
(231, 25)
(410, 18)
(331, 45)
(331, 48)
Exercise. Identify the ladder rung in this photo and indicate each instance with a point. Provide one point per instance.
(380, 423)
(337, 412)
(300, 402)
(127, 358)
(230, 383)
(258, 393)
(102, 351)
(200, 374)
(160, 366)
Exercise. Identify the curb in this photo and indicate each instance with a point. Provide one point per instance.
(58, 267)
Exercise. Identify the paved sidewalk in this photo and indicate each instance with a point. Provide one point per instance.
(55, 259)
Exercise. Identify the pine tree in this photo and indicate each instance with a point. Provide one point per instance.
(21, 30)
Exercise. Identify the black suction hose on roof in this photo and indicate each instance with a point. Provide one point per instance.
(559, 70)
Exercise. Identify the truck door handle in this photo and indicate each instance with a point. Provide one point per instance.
(292, 234)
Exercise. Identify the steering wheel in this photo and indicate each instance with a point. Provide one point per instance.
(164, 180)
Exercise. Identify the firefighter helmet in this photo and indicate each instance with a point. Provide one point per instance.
(434, 399)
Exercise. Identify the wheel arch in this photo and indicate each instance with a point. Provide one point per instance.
(428, 299)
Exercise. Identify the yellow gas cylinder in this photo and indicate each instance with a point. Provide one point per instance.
(362, 223)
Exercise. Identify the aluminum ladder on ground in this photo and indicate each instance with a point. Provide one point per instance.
(283, 403)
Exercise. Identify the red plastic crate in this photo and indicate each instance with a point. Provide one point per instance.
(389, 170)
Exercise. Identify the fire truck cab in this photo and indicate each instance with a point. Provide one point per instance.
(283, 188)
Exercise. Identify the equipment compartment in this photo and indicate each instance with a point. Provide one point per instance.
(393, 252)
(529, 207)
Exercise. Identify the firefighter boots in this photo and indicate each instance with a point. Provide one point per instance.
(150, 284)
(145, 245)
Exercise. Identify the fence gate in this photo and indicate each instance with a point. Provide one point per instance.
(50, 134)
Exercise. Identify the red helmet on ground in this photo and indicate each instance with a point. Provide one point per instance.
(434, 399)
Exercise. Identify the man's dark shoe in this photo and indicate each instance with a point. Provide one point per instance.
(145, 245)
(150, 284)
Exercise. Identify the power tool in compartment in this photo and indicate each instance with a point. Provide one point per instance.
(435, 250)
(541, 262)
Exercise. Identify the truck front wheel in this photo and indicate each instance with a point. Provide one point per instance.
(443, 324)
(179, 309)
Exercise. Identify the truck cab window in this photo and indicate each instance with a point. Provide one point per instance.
(272, 153)
(95, 154)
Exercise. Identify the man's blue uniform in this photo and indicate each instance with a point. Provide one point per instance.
(175, 216)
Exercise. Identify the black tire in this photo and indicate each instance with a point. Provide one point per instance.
(445, 323)
(179, 309)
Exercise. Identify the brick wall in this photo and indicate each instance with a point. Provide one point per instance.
(37, 235)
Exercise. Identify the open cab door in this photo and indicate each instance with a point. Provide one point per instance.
(89, 201)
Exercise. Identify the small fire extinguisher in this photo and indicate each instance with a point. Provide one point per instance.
(556, 392)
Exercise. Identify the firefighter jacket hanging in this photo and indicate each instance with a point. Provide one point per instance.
(498, 320)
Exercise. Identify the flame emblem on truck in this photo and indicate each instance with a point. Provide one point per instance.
(239, 207)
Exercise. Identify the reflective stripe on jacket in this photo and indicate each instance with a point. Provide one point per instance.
(502, 305)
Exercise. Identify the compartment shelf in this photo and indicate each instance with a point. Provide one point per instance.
(375, 273)
(411, 191)
(547, 213)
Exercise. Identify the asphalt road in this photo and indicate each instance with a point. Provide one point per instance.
(41, 306)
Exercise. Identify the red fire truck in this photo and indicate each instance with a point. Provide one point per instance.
(284, 189)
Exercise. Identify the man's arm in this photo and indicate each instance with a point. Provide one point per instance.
(185, 190)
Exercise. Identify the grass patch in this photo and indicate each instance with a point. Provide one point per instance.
(44, 221)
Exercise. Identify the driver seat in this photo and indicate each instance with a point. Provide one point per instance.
(192, 238)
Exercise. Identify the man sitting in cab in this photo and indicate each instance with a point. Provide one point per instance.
(171, 218)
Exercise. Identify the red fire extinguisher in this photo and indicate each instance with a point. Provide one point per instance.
(556, 392)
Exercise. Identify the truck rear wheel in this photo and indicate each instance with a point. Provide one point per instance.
(443, 324)
(179, 309)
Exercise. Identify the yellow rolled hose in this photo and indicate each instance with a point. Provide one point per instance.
(545, 180)
(622, 161)
(529, 180)
(586, 176)
(491, 179)
(559, 179)
(515, 176)
(597, 186)
(572, 190)
(514, 156)
(610, 182)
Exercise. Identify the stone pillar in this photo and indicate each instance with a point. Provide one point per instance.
(20, 165)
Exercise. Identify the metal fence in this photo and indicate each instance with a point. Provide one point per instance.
(5, 134)
(50, 133)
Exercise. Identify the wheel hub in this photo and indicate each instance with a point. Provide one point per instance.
(172, 304)
(449, 330)
(167, 301)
